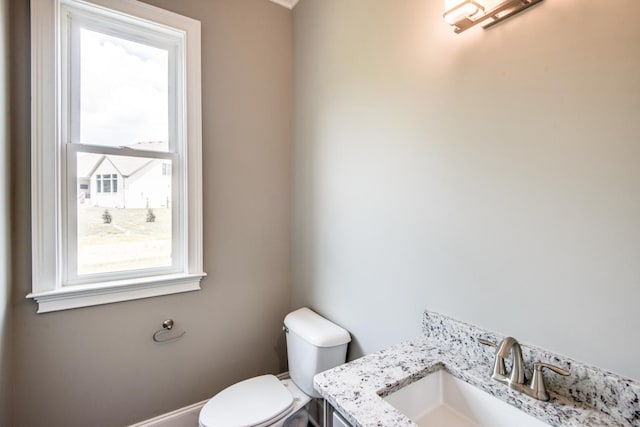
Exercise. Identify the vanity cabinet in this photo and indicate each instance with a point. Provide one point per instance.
(338, 421)
(333, 418)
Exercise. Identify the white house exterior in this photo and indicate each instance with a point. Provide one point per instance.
(123, 182)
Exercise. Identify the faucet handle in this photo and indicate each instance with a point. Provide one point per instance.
(487, 342)
(499, 369)
(538, 389)
(537, 367)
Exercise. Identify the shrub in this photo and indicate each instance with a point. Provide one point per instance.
(106, 217)
(151, 217)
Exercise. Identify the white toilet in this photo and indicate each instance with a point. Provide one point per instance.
(314, 344)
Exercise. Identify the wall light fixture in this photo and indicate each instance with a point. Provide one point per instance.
(464, 14)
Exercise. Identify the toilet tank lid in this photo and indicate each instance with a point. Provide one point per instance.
(316, 329)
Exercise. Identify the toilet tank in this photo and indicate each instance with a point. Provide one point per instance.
(314, 344)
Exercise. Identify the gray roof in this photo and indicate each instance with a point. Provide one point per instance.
(125, 165)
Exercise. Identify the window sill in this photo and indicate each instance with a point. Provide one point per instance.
(70, 297)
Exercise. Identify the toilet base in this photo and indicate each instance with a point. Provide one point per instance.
(300, 401)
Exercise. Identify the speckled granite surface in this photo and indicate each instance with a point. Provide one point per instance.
(589, 397)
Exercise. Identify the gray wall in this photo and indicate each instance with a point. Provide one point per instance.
(5, 257)
(97, 366)
(491, 176)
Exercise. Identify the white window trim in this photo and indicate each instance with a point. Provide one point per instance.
(46, 164)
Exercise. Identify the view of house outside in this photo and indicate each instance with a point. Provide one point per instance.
(127, 242)
(124, 213)
(123, 202)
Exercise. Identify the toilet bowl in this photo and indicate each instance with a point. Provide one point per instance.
(314, 344)
(257, 402)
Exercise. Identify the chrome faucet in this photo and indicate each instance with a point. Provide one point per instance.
(516, 380)
(510, 344)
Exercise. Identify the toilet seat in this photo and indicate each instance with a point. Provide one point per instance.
(255, 402)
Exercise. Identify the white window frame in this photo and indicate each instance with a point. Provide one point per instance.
(53, 187)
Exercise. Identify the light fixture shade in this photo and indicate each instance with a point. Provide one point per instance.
(460, 10)
(464, 14)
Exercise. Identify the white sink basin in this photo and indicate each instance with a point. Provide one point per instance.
(440, 400)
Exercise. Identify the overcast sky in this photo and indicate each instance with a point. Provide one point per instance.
(124, 94)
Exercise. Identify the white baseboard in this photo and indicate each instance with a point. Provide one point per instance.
(183, 417)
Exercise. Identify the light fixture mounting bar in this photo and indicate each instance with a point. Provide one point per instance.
(497, 14)
(525, 4)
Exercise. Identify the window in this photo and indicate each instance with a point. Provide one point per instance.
(105, 183)
(117, 213)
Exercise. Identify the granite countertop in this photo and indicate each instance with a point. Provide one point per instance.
(589, 397)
